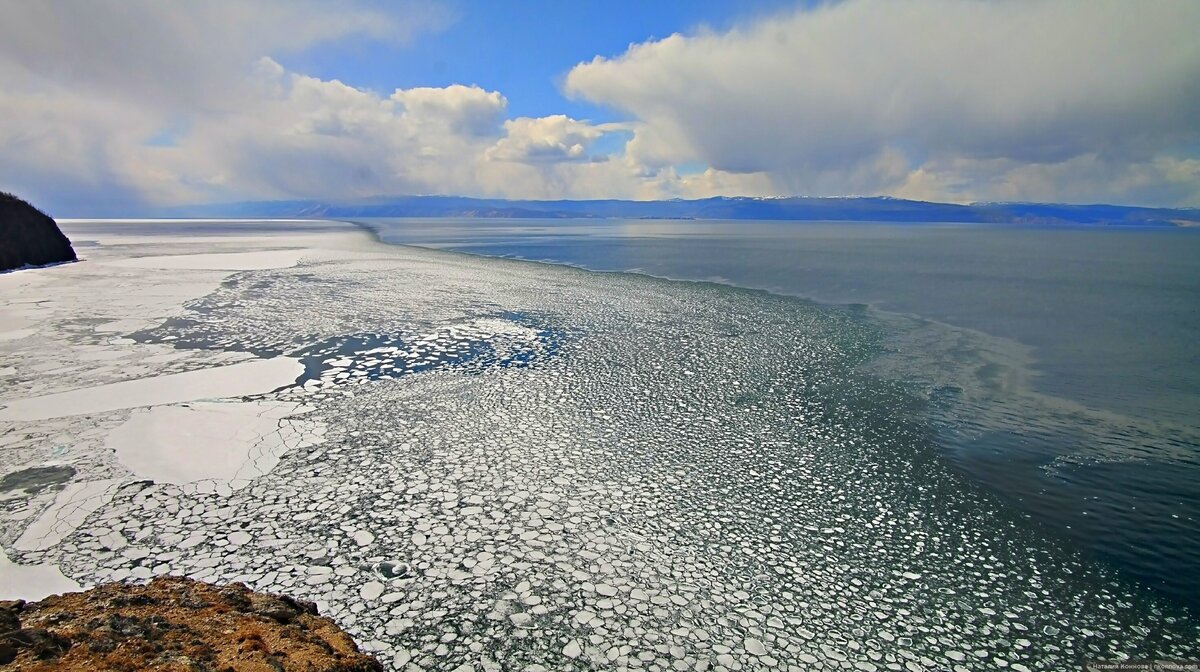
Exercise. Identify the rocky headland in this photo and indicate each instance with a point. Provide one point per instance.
(174, 623)
(29, 237)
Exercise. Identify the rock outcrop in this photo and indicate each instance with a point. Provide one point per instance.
(29, 237)
(174, 623)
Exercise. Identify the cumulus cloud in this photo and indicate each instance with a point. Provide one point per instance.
(457, 109)
(1088, 178)
(110, 104)
(118, 104)
(308, 137)
(89, 85)
(826, 100)
(547, 139)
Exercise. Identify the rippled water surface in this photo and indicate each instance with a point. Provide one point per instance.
(1061, 364)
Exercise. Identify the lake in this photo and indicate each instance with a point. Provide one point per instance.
(1060, 364)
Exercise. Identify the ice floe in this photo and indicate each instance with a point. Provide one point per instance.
(232, 261)
(245, 378)
(230, 442)
(502, 465)
(75, 502)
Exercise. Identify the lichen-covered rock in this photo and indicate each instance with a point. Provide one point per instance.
(174, 623)
(29, 237)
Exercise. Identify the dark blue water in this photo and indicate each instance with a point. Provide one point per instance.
(1061, 365)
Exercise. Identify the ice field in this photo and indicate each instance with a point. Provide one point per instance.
(493, 464)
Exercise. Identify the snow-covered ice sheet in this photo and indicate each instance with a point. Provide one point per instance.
(230, 442)
(245, 378)
(31, 582)
(231, 261)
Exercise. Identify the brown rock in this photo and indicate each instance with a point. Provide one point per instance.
(174, 624)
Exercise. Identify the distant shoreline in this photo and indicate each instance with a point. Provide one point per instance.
(799, 209)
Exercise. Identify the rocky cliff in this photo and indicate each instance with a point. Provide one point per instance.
(173, 624)
(28, 236)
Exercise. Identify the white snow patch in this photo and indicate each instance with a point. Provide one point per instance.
(17, 334)
(231, 261)
(12, 320)
(31, 582)
(122, 326)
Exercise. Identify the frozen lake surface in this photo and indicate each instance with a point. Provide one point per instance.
(495, 464)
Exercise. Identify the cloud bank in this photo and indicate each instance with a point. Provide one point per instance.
(930, 98)
(110, 104)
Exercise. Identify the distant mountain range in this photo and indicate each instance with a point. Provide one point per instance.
(803, 209)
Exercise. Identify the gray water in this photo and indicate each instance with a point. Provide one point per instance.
(1061, 364)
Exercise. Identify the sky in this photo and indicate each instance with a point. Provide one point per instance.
(112, 107)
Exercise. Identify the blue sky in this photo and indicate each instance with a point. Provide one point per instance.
(111, 106)
(523, 49)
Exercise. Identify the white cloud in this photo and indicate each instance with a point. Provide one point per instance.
(547, 139)
(1088, 178)
(87, 84)
(127, 102)
(132, 103)
(458, 109)
(173, 56)
(825, 100)
(311, 138)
